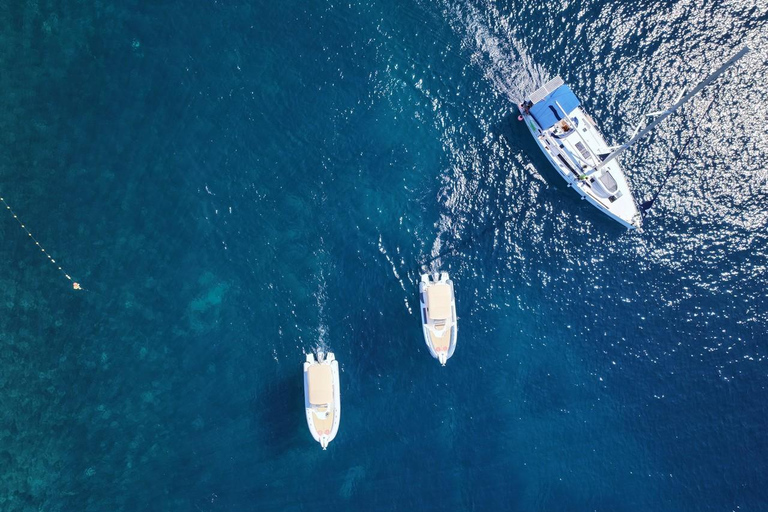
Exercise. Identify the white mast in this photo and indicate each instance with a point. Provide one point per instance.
(663, 115)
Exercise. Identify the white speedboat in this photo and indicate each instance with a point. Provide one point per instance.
(573, 144)
(322, 399)
(438, 315)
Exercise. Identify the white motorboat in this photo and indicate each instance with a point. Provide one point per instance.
(573, 144)
(322, 398)
(438, 315)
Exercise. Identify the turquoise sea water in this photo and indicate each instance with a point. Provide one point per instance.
(236, 183)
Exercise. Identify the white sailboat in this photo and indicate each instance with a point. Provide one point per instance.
(322, 397)
(573, 144)
(438, 315)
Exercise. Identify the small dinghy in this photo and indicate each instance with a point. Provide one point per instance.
(322, 399)
(438, 315)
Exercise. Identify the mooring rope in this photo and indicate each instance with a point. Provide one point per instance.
(75, 285)
(647, 205)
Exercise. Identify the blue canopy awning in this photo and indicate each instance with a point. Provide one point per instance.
(547, 113)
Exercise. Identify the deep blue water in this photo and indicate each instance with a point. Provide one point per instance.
(236, 183)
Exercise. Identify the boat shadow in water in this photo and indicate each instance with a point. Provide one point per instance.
(279, 412)
(518, 137)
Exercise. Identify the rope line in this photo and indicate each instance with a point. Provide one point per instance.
(647, 205)
(75, 285)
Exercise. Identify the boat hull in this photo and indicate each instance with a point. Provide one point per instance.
(441, 355)
(323, 431)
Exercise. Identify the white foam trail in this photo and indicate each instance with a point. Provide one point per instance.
(383, 251)
(502, 59)
(321, 298)
(488, 36)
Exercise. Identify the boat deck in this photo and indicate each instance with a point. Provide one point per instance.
(578, 150)
(323, 426)
(440, 343)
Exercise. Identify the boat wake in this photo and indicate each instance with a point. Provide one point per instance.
(321, 299)
(489, 37)
(490, 48)
(444, 244)
(393, 264)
